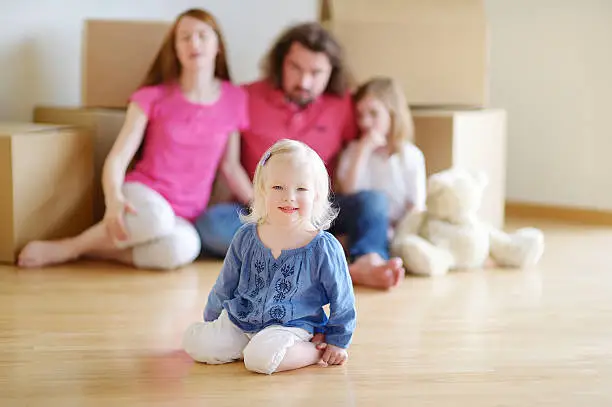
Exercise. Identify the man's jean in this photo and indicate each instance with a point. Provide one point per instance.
(363, 218)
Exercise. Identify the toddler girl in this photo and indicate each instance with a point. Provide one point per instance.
(282, 267)
(384, 157)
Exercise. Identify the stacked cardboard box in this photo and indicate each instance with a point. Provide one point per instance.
(472, 139)
(116, 57)
(103, 125)
(61, 195)
(438, 51)
(46, 176)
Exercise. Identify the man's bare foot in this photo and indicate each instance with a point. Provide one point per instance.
(46, 253)
(371, 270)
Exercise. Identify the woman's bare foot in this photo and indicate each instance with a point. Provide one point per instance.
(46, 253)
(93, 241)
(371, 270)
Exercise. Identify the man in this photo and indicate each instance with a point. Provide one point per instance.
(304, 96)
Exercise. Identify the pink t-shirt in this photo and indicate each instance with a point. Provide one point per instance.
(184, 143)
(325, 125)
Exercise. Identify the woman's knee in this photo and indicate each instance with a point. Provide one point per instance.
(148, 225)
(177, 249)
(153, 217)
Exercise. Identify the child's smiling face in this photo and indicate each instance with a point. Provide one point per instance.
(289, 190)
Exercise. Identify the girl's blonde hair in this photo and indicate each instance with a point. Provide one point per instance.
(388, 91)
(323, 213)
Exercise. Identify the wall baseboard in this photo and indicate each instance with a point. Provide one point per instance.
(558, 213)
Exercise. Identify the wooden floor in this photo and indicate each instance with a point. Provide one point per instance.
(103, 335)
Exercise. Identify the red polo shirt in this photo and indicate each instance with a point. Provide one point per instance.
(325, 124)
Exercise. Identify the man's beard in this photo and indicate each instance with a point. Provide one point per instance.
(300, 97)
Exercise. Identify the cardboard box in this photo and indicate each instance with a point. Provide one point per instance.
(46, 175)
(103, 125)
(116, 57)
(438, 50)
(472, 139)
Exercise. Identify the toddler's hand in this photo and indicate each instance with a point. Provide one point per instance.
(318, 339)
(333, 355)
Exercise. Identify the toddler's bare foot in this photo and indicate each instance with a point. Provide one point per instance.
(46, 253)
(371, 270)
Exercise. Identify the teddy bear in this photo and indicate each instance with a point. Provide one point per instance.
(448, 234)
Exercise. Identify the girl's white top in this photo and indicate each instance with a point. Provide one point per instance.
(401, 177)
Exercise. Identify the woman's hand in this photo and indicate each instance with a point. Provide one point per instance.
(114, 218)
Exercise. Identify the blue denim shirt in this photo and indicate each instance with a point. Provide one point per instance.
(258, 290)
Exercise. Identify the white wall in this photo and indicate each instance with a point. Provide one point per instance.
(551, 68)
(40, 51)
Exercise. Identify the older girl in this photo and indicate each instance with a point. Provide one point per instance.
(384, 157)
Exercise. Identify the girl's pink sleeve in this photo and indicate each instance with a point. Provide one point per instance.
(145, 98)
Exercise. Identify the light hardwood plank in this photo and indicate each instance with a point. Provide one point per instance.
(585, 216)
(98, 335)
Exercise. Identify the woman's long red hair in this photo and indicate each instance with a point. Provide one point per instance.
(166, 67)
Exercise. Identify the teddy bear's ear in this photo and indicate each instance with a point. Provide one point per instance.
(435, 183)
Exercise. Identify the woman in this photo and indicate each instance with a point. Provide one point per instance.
(185, 119)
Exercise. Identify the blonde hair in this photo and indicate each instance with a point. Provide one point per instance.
(388, 91)
(323, 214)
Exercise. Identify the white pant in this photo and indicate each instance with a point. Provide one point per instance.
(159, 239)
(221, 341)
